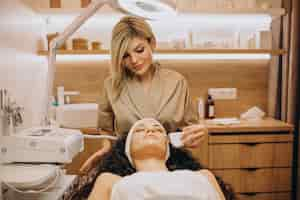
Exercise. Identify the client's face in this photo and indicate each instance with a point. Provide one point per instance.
(149, 136)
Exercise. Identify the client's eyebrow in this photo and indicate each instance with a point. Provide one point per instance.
(156, 125)
(140, 126)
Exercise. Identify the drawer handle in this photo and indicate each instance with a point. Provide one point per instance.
(249, 193)
(250, 144)
(251, 169)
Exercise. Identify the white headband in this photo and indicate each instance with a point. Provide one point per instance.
(129, 138)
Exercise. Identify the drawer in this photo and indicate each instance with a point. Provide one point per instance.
(257, 180)
(244, 137)
(265, 196)
(249, 155)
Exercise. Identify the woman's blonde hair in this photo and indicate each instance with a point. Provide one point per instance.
(124, 31)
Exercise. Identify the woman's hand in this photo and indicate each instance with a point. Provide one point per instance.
(193, 134)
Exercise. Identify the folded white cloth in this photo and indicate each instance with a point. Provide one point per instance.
(254, 113)
(164, 185)
(224, 121)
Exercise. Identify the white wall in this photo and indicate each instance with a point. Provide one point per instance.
(22, 72)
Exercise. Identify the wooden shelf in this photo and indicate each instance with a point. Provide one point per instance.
(75, 11)
(274, 12)
(176, 51)
(264, 125)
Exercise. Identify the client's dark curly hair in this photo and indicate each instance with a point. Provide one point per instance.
(116, 162)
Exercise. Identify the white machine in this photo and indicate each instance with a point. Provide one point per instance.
(22, 158)
(41, 144)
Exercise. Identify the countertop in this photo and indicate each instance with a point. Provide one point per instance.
(264, 125)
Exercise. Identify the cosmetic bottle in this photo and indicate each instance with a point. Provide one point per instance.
(52, 109)
(210, 107)
(1, 191)
(201, 108)
(60, 95)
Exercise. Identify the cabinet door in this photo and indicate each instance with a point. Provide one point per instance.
(257, 180)
(250, 155)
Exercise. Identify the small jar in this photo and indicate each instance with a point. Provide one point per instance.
(96, 45)
(80, 44)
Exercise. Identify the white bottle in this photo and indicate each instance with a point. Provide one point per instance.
(11, 127)
(201, 107)
(1, 197)
(52, 109)
(60, 95)
(2, 121)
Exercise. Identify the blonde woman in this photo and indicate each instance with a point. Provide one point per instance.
(139, 87)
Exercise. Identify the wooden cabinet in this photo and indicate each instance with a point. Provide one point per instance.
(255, 158)
(257, 180)
(251, 154)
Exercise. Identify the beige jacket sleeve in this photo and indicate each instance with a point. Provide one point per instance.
(105, 111)
(190, 114)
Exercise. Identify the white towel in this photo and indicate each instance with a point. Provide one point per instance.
(164, 185)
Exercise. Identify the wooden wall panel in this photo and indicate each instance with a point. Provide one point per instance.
(55, 3)
(249, 77)
(85, 3)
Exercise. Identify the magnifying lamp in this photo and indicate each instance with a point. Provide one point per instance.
(148, 9)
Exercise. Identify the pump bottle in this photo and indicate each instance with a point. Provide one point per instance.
(210, 107)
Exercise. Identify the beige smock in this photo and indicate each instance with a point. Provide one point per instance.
(168, 102)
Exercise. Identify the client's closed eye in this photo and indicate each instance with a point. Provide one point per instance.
(138, 130)
(159, 130)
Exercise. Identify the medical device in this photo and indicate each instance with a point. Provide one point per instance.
(29, 178)
(23, 157)
(42, 145)
(175, 139)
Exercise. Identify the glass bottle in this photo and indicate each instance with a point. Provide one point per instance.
(210, 107)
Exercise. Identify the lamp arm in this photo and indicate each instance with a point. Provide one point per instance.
(88, 12)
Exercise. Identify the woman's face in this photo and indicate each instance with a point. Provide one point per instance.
(147, 134)
(138, 57)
